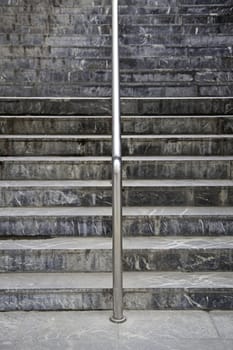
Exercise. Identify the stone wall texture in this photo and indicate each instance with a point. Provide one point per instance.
(167, 47)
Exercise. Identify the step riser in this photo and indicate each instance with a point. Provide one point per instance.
(55, 126)
(178, 260)
(55, 148)
(100, 126)
(55, 106)
(56, 170)
(47, 300)
(189, 30)
(179, 169)
(188, 106)
(84, 170)
(55, 261)
(102, 226)
(162, 299)
(172, 62)
(177, 126)
(91, 260)
(179, 299)
(166, 106)
(55, 197)
(155, 147)
(150, 196)
(178, 196)
(173, 147)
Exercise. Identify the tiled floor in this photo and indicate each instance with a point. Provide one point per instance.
(157, 330)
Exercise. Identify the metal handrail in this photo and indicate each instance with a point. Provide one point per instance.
(117, 316)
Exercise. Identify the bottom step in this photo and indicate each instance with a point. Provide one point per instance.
(92, 291)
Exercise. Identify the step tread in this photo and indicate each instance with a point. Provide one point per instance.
(174, 158)
(103, 280)
(109, 137)
(107, 183)
(56, 98)
(180, 136)
(72, 117)
(175, 183)
(61, 117)
(108, 158)
(225, 116)
(68, 99)
(54, 184)
(129, 243)
(56, 158)
(107, 211)
(55, 137)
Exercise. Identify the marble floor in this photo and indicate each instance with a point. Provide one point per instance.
(157, 330)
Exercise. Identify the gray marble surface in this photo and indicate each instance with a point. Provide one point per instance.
(107, 183)
(76, 125)
(134, 243)
(149, 211)
(92, 291)
(92, 168)
(132, 280)
(88, 145)
(152, 39)
(76, 254)
(163, 330)
(97, 221)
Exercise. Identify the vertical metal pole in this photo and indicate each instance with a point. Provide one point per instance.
(117, 316)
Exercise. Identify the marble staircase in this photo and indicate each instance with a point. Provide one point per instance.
(167, 48)
(55, 203)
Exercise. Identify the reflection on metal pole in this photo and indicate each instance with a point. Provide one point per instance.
(117, 316)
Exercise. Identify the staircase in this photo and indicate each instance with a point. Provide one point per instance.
(55, 198)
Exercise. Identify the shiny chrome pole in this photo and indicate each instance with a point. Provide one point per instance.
(117, 316)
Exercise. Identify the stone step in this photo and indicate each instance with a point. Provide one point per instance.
(97, 38)
(180, 37)
(177, 193)
(152, 145)
(136, 77)
(100, 168)
(100, 5)
(56, 168)
(99, 193)
(129, 106)
(188, 254)
(101, 145)
(78, 125)
(129, 15)
(211, 44)
(159, 30)
(99, 33)
(165, 77)
(55, 193)
(75, 22)
(93, 291)
(49, 222)
(54, 106)
(177, 167)
(206, 21)
(176, 106)
(55, 125)
(174, 30)
(205, 2)
(177, 125)
(166, 62)
(100, 30)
